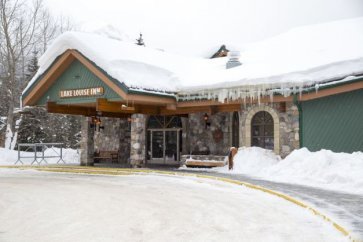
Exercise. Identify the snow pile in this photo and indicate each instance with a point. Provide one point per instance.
(324, 169)
(9, 157)
(253, 160)
(303, 56)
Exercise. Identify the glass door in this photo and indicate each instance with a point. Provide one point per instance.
(157, 145)
(164, 146)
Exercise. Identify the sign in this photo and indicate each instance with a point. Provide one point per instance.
(84, 92)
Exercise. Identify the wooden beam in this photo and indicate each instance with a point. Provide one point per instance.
(103, 105)
(171, 106)
(197, 103)
(332, 91)
(186, 110)
(52, 107)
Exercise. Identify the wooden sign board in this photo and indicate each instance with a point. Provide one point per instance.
(83, 92)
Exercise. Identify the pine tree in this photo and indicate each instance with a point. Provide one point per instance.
(33, 65)
(140, 41)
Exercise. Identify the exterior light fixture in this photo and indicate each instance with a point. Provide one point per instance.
(96, 123)
(206, 120)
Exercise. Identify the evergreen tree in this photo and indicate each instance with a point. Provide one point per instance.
(33, 65)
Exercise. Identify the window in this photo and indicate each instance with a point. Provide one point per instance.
(262, 130)
(235, 130)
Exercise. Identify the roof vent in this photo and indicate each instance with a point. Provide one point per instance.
(233, 60)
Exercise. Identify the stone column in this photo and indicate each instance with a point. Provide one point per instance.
(87, 142)
(124, 140)
(138, 136)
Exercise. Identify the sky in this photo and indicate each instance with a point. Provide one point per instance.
(199, 27)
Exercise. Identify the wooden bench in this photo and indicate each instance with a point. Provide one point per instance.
(204, 163)
(107, 155)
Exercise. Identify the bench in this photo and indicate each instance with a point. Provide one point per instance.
(204, 163)
(107, 155)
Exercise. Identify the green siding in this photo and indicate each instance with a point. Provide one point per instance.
(334, 122)
(77, 76)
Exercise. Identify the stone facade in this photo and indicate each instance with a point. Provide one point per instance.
(197, 137)
(124, 140)
(87, 142)
(108, 138)
(214, 139)
(138, 138)
(114, 137)
(286, 125)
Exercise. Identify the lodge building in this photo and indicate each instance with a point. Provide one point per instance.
(146, 125)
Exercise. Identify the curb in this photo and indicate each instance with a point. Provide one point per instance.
(128, 171)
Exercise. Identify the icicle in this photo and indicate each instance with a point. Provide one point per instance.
(271, 94)
(316, 87)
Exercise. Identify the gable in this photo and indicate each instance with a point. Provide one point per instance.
(77, 77)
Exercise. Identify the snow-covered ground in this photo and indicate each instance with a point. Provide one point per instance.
(324, 169)
(9, 157)
(40, 206)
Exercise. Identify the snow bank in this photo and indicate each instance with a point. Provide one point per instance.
(9, 157)
(324, 169)
(303, 56)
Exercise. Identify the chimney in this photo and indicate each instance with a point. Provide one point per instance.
(233, 59)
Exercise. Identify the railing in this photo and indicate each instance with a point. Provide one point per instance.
(37, 151)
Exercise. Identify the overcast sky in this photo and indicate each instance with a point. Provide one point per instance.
(196, 26)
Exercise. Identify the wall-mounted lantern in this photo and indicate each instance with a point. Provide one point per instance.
(206, 120)
(96, 123)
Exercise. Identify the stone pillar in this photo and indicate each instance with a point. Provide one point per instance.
(138, 136)
(124, 140)
(87, 142)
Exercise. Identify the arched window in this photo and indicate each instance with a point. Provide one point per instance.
(262, 130)
(235, 130)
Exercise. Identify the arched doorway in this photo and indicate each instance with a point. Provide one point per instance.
(262, 130)
(235, 129)
(164, 139)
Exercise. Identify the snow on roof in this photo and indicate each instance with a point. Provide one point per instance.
(300, 57)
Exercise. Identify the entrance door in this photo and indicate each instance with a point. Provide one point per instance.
(164, 146)
(164, 140)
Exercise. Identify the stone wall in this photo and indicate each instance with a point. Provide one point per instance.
(287, 124)
(138, 138)
(87, 142)
(124, 141)
(213, 139)
(108, 138)
(114, 137)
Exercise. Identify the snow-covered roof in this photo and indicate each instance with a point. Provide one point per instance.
(303, 56)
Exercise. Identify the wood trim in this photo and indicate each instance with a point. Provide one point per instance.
(103, 105)
(52, 107)
(43, 85)
(332, 91)
(275, 99)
